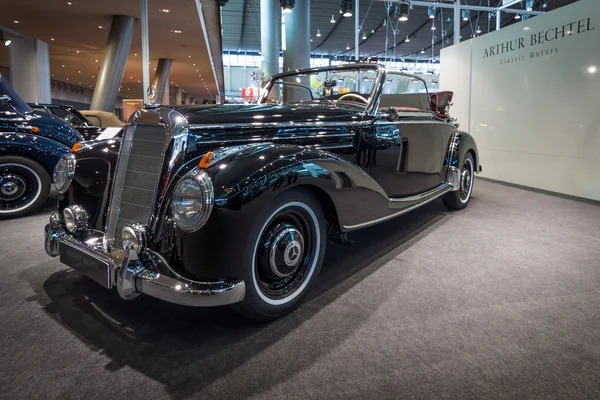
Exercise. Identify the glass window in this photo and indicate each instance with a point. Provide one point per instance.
(66, 116)
(351, 87)
(405, 92)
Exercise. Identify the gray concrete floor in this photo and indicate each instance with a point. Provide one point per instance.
(500, 300)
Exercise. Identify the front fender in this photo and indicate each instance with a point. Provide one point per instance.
(44, 150)
(244, 184)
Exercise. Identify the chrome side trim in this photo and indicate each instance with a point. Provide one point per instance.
(421, 196)
(397, 214)
(279, 125)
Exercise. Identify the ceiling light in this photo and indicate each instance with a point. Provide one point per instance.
(478, 31)
(52, 39)
(431, 12)
(164, 10)
(139, 81)
(100, 27)
(592, 69)
(131, 77)
(17, 22)
(63, 65)
(465, 15)
(78, 72)
(135, 54)
(77, 51)
(318, 33)
(69, 3)
(517, 16)
(364, 36)
(346, 8)
(407, 40)
(189, 56)
(347, 46)
(96, 60)
(93, 76)
(422, 51)
(404, 11)
(433, 28)
(287, 6)
(332, 19)
(175, 31)
(3, 40)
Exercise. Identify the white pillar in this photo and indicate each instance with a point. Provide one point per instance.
(457, 19)
(270, 22)
(498, 19)
(178, 96)
(166, 100)
(29, 62)
(356, 32)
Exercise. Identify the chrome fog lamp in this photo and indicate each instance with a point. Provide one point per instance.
(193, 200)
(134, 236)
(63, 173)
(75, 218)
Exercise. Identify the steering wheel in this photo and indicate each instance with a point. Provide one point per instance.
(356, 96)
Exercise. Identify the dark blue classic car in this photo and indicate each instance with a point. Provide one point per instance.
(31, 143)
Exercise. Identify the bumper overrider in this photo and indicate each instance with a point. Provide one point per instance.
(133, 270)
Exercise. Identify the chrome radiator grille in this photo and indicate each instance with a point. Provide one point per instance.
(136, 178)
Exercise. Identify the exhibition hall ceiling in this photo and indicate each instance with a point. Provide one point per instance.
(76, 32)
(241, 27)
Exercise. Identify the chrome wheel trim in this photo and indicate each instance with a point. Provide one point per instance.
(293, 249)
(466, 181)
(311, 269)
(36, 195)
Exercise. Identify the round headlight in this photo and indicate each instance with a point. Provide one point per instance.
(69, 218)
(63, 173)
(75, 218)
(192, 201)
(133, 236)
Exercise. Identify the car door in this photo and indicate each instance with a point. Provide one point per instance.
(406, 156)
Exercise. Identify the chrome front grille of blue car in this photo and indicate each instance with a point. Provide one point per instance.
(136, 179)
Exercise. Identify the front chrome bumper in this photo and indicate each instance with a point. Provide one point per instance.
(147, 273)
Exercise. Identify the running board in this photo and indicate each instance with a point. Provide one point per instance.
(420, 200)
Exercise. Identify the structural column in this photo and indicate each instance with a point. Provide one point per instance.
(498, 19)
(297, 36)
(457, 20)
(113, 64)
(178, 96)
(30, 69)
(166, 99)
(161, 78)
(270, 22)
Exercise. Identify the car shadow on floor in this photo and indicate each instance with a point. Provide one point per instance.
(205, 344)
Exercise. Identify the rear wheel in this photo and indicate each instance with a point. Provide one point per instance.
(457, 200)
(24, 186)
(286, 251)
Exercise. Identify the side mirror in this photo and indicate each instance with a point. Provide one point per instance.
(5, 99)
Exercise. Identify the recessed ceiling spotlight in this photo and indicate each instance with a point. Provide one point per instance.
(318, 33)
(135, 54)
(100, 27)
(67, 78)
(80, 83)
(63, 65)
(164, 10)
(175, 31)
(93, 76)
(138, 81)
(96, 60)
(77, 51)
(52, 39)
(69, 3)
(131, 77)
(17, 22)
(194, 65)
(78, 72)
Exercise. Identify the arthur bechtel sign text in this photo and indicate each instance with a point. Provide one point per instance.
(534, 40)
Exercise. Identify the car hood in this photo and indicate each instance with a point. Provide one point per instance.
(261, 114)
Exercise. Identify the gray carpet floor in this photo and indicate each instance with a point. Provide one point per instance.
(498, 301)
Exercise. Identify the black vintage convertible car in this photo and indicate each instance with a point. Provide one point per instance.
(234, 204)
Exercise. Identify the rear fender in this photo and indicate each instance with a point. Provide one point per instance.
(459, 145)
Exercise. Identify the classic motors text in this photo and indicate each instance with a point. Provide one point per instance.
(572, 28)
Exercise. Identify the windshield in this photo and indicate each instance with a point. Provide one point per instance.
(15, 100)
(349, 86)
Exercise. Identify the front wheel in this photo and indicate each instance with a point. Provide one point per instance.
(286, 249)
(24, 186)
(458, 199)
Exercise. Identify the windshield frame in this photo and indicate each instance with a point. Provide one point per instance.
(371, 106)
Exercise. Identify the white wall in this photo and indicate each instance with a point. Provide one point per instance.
(533, 110)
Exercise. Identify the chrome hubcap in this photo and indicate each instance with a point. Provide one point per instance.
(286, 251)
(466, 180)
(12, 187)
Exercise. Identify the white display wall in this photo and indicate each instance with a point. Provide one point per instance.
(530, 95)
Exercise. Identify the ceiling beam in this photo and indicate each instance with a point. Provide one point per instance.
(472, 8)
